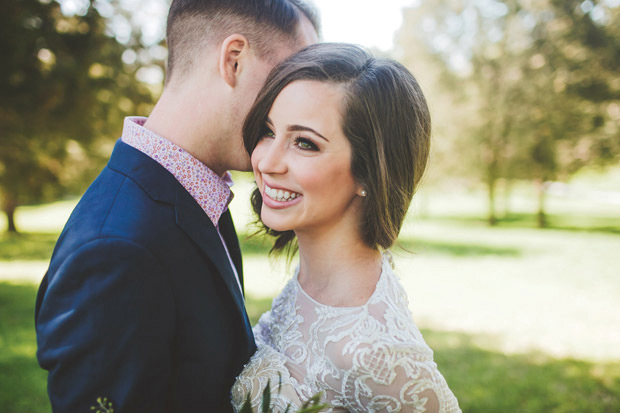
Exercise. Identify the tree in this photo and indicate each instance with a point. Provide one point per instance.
(569, 86)
(64, 90)
(484, 85)
(537, 84)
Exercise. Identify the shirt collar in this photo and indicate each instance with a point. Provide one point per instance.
(210, 191)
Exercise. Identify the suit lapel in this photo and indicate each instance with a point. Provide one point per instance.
(195, 223)
(227, 229)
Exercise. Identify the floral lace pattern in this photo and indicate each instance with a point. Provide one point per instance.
(370, 358)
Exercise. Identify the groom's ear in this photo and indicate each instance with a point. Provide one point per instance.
(232, 54)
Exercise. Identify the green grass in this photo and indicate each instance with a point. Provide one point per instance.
(482, 379)
(490, 381)
(604, 223)
(26, 246)
(22, 382)
(455, 249)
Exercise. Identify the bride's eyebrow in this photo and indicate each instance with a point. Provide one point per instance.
(298, 128)
(301, 128)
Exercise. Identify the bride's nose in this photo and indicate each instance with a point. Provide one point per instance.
(271, 157)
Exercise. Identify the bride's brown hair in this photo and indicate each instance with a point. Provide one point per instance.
(385, 118)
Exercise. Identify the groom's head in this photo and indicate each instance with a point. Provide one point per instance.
(194, 26)
(219, 54)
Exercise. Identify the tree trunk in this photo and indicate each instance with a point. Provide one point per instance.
(541, 216)
(492, 218)
(507, 193)
(9, 208)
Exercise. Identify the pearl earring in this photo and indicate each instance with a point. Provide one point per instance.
(363, 192)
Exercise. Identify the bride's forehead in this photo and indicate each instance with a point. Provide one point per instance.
(308, 103)
(310, 92)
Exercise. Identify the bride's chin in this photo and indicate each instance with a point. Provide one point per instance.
(279, 228)
(274, 224)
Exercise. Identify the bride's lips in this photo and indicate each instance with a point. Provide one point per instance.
(278, 198)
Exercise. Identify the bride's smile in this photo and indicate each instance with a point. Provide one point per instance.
(284, 197)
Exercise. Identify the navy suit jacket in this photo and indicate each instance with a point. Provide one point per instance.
(140, 304)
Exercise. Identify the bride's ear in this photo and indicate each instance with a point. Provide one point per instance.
(233, 53)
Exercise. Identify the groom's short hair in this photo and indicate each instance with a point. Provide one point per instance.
(194, 25)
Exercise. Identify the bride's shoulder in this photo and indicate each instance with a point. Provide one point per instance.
(282, 313)
(390, 290)
(286, 297)
(389, 309)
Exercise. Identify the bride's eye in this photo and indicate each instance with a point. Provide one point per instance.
(267, 133)
(305, 144)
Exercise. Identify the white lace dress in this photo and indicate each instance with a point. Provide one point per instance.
(363, 359)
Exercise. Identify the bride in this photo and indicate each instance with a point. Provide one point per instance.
(339, 141)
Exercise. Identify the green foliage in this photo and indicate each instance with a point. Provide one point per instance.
(63, 92)
(312, 405)
(266, 402)
(103, 406)
(256, 244)
(537, 97)
(27, 246)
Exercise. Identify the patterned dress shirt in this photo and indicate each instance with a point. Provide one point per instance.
(211, 191)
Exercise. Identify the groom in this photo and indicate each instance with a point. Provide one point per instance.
(143, 300)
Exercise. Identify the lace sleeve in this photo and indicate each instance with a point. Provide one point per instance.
(262, 332)
(388, 378)
(265, 366)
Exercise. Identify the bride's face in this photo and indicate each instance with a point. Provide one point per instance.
(302, 164)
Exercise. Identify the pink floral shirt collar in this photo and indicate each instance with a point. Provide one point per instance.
(211, 191)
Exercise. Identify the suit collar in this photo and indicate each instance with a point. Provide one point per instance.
(153, 178)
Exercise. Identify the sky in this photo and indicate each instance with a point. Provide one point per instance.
(370, 23)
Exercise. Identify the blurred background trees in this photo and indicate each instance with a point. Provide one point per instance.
(65, 87)
(520, 90)
(533, 90)
(522, 93)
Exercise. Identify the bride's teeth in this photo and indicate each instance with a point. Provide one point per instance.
(280, 195)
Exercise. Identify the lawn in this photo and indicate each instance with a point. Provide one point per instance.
(520, 319)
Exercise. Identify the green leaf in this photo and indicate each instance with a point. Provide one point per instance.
(266, 398)
(313, 405)
(247, 406)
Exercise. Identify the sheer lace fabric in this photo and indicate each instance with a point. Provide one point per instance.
(370, 358)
